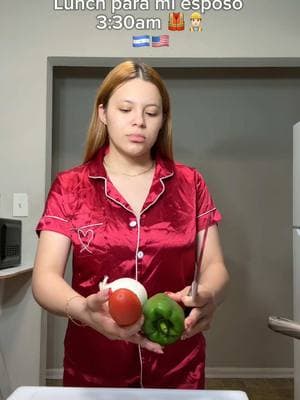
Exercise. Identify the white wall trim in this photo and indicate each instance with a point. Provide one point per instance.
(248, 373)
(185, 62)
(245, 373)
(54, 373)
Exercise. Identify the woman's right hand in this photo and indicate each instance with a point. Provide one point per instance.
(99, 318)
(54, 294)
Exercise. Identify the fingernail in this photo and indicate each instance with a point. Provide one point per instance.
(106, 292)
(167, 293)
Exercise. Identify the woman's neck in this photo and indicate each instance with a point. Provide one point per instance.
(125, 165)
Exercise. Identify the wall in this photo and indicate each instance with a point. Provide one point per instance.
(31, 32)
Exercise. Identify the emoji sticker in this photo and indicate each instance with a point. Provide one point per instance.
(176, 21)
(196, 19)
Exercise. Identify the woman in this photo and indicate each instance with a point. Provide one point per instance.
(129, 211)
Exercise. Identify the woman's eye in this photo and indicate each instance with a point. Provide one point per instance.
(151, 114)
(124, 110)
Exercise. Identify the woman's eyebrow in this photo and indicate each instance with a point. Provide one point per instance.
(147, 105)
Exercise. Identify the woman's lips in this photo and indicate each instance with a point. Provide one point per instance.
(136, 138)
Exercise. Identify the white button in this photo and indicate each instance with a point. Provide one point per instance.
(132, 224)
(140, 254)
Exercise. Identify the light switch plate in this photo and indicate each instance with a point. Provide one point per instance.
(20, 205)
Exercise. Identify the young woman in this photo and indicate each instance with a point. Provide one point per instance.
(129, 211)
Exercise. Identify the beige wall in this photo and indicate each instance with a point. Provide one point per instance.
(31, 31)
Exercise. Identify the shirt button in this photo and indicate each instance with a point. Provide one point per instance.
(132, 224)
(140, 255)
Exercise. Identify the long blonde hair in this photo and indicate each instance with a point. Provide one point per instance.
(97, 135)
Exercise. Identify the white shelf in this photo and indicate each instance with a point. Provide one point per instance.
(13, 271)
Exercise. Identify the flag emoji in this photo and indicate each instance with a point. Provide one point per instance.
(159, 41)
(141, 41)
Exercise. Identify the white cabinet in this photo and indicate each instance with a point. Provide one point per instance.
(20, 331)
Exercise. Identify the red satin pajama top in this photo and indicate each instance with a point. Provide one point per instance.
(158, 249)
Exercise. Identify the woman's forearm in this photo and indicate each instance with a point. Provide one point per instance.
(215, 278)
(49, 287)
(53, 293)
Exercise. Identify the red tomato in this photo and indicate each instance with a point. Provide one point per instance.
(124, 307)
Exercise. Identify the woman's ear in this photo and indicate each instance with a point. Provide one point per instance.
(102, 114)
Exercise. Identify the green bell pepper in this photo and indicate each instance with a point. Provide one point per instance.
(163, 319)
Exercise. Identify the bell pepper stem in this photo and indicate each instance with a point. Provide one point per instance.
(163, 327)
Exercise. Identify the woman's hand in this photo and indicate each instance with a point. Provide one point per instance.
(202, 309)
(212, 283)
(99, 318)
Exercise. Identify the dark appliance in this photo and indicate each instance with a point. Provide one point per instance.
(10, 242)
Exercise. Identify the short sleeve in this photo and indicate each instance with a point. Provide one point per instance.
(206, 211)
(55, 217)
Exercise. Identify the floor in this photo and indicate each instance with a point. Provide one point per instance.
(256, 389)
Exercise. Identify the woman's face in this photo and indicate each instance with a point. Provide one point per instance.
(133, 117)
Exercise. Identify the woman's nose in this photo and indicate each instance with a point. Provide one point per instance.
(139, 118)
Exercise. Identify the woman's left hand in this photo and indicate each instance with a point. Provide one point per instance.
(202, 309)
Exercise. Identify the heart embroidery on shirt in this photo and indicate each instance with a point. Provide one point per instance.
(85, 238)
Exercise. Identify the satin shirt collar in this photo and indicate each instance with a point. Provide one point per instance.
(163, 169)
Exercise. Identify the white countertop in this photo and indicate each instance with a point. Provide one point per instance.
(61, 393)
(13, 271)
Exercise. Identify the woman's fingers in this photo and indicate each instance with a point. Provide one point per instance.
(131, 334)
(128, 331)
(202, 298)
(177, 296)
(198, 320)
(145, 343)
(195, 316)
(174, 296)
(202, 325)
(96, 301)
(202, 308)
(103, 323)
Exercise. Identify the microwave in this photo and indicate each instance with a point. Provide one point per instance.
(10, 242)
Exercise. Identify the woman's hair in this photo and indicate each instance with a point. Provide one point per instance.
(97, 135)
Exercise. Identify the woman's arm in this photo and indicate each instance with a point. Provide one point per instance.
(49, 288)
(213, 280)
(211, 288)
(213, 273)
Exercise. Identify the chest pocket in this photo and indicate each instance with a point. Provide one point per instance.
(87, 233)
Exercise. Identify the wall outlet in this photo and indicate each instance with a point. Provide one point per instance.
(20, 205)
